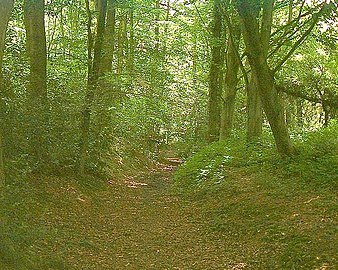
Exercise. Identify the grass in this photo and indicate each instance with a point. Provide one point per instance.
(277, 213)
(34, 216)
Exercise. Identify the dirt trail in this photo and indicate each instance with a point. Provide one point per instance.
(142, 226)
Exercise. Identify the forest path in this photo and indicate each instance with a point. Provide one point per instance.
(140, 225)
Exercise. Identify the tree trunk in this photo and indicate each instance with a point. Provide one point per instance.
(254, 110)
(288, 108)
(131, 56)
(121, 43)
(2, 165)
(273, 109)
(215, 89)
(38, 101)
(257, 44)
(155, 60)
(92, 82)
(230, 84)
(5, 12)
(109, 39)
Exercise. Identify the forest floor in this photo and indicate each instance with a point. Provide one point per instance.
(135, 223)
(138, 223)
(143, 226)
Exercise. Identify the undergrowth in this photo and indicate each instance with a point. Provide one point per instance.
(27, 208)
(281, 212)
(316, 161)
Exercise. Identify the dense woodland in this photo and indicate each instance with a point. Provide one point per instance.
(85, 83)
(104, 89)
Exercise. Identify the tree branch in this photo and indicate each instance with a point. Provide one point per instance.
(332, 102)
(300, 40)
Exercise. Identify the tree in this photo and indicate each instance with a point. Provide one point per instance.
(38, 100)
(215, 75)
(257, 21)
(257, 41)
(231, 78)
(254, 111)
(94, 62)
(5, 12)
(109, 38)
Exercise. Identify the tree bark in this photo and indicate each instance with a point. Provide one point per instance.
(155, 60)
(2, 165)
(38, 100)
(93, 78)
(230, 83)
(131, 56)
(109, 38)
(215, 84)
(254, 111)
(121, 43)
(5, 12)
(257, 44)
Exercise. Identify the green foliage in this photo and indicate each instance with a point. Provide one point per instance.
(316, 161)
(208, 168)
(281, 211)
(318, 156)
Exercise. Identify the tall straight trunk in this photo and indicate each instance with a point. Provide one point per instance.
(109, 39)
(5, 12)
(157, 27)
(215, 84)
(93, 78)
(155, 61)
(257, 44)
(37, 98)
(165, 40)
(131, 56)
(230, 83)
(195, 53)
(121, 42)
(254, 111)
(2, 165)
(288, 108)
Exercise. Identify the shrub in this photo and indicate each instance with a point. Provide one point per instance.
(317, 161)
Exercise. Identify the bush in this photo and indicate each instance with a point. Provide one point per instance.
(317, 161)
(318, 156)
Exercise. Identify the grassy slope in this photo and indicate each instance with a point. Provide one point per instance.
(272, 213)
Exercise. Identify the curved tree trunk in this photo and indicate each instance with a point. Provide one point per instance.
(257, 38)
